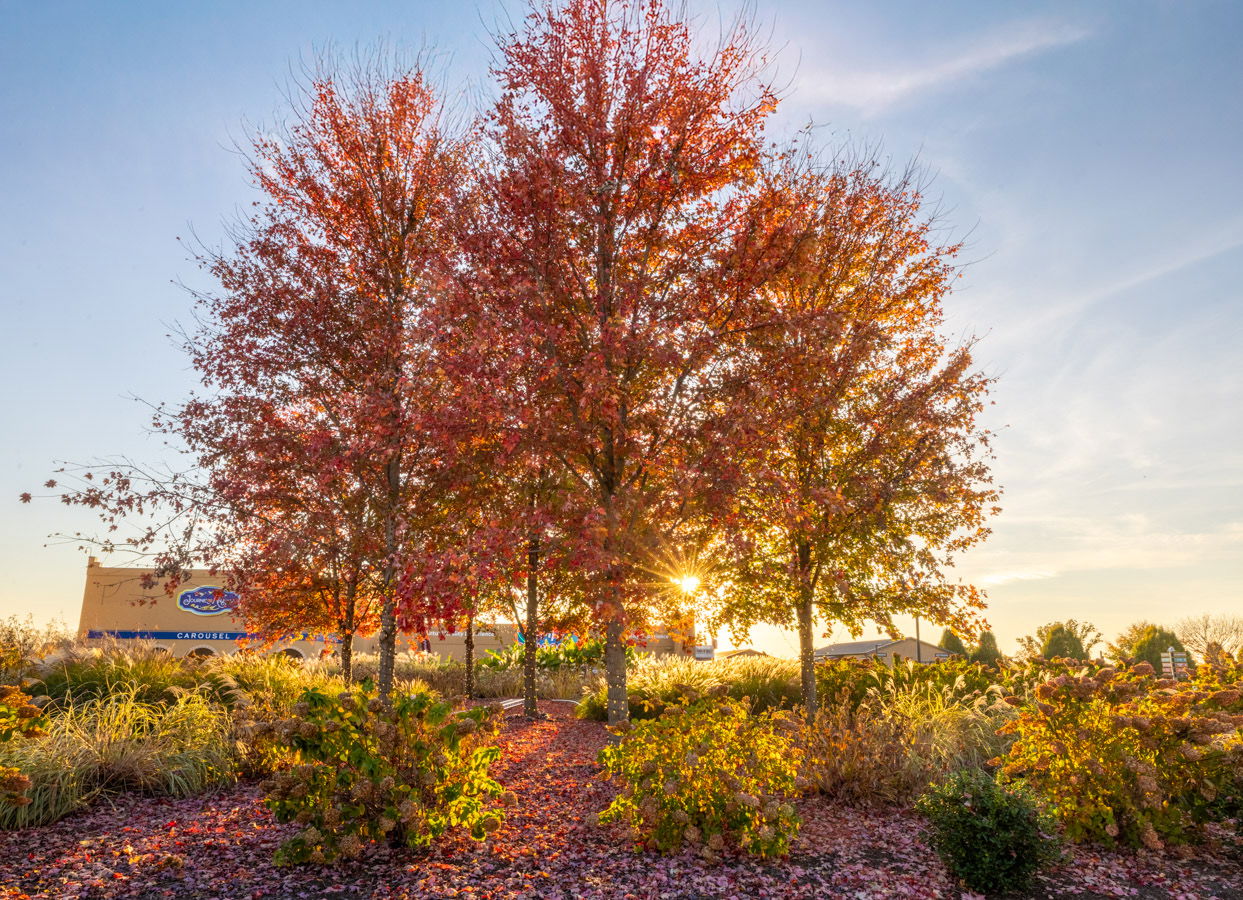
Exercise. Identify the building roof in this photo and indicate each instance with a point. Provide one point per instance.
(855, 648)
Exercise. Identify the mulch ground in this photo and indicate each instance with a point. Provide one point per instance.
(221, 845)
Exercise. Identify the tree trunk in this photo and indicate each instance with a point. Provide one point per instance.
(388, 613)
(615, 672)
(807, 651)
(347, 657)
(531, 628)
(469, 686)
(387, 648)
(347, 632)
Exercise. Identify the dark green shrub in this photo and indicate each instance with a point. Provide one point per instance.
(990, 836)
(710, 775)
(402, 775)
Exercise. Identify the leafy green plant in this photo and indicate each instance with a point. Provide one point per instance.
(1129, 757)
(711, 775)
(402, 774)
(990, 836)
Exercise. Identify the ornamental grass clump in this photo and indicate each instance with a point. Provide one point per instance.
(891, 746)
(1128, 757)
(118, 743)
(991, 836)
(655, 683)
(366, 773)
(710, 775)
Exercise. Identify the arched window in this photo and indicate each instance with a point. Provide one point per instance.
(291, 652)
(200, 652)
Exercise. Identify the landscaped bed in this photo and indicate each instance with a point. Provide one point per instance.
(221, 845)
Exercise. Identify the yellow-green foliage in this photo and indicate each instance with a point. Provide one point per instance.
(1127, 756)
(119, 743)
(710, 775)
(448, 677)
(401, 774)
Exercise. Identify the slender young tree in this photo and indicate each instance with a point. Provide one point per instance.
(620, 236)
(328, 390)
(866, 469)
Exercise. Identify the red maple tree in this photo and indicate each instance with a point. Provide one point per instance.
(620, 235)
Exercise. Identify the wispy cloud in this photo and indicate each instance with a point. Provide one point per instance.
(1007, 577)
(875, 90)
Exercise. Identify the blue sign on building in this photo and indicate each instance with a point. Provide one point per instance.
(207, 601)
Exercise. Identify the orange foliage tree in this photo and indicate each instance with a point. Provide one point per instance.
(863, 469)
(329, 417)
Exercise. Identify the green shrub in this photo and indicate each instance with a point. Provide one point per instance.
(403, 774)
(118, 743)
(1129, 757)
(989, 835)
(711, 775)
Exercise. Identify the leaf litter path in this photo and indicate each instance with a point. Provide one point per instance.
(221, 844)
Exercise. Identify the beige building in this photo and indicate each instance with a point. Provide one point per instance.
(200, 618)
(886, 650)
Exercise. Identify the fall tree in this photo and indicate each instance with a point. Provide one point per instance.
(329, 310)
(328, 408)
(619, 236)
(1145, 642)
(864, 471)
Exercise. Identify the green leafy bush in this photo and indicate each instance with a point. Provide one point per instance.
(711, 775)
(1129, 757)
(991, 836)
(582, 655)
(402, 774)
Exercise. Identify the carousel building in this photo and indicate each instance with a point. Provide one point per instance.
(200, 619)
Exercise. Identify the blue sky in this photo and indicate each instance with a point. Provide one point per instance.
(1089, 153)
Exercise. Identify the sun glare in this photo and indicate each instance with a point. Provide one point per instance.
(688, 583)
